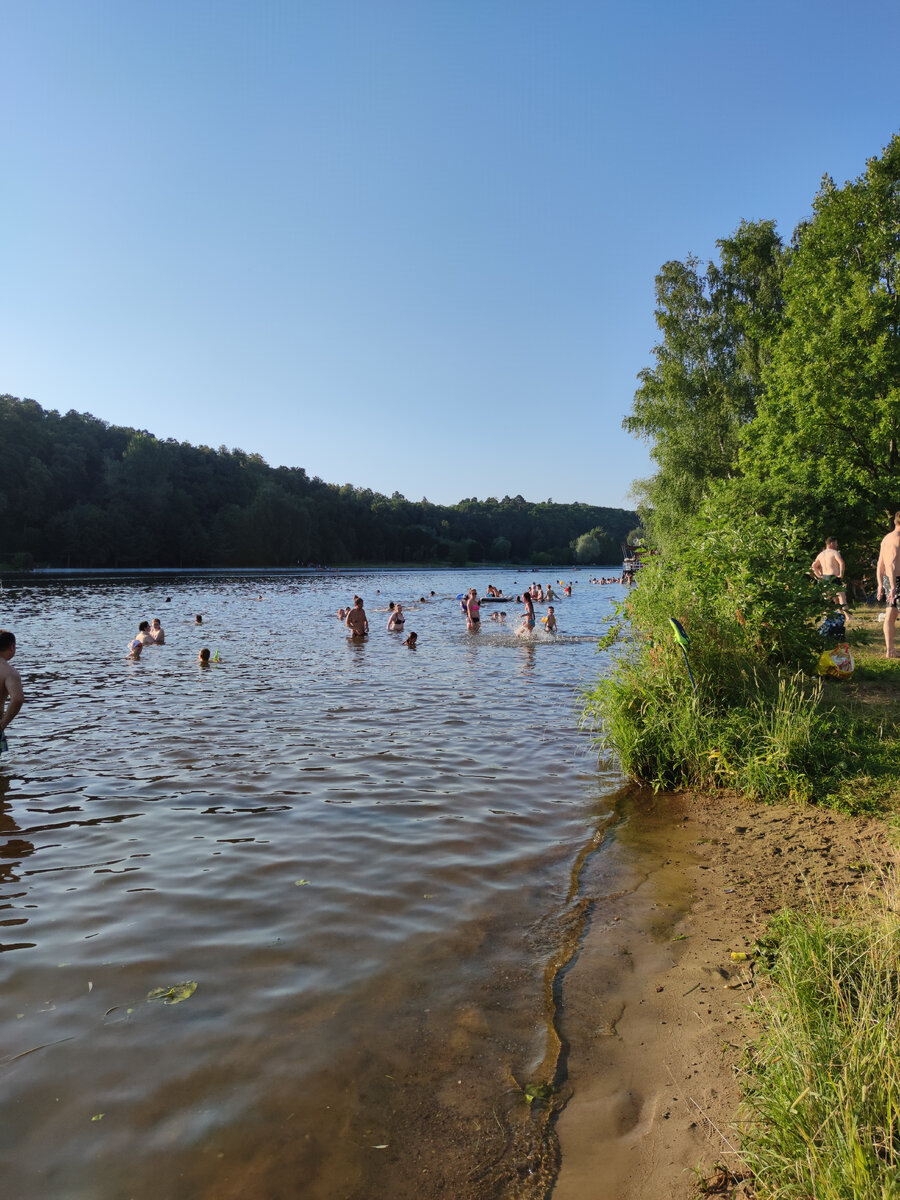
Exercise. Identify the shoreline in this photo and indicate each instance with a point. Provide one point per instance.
(655, 1092)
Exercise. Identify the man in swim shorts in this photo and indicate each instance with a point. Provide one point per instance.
(12, 694)
(828, 565)
(888, 573)
(357, 621)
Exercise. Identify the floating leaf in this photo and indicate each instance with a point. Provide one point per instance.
(301, 883)
(537, 1091)
(173, 994)
(98, 1117)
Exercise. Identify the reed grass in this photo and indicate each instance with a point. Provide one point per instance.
(822, 1085)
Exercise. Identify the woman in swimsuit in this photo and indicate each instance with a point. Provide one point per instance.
(527, 625)
(397, 619)
(473, 609)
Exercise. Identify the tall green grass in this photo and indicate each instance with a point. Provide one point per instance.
(757, 720)
(822, 1085)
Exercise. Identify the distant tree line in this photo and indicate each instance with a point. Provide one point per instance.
(77, 491)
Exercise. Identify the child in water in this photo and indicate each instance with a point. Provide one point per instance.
(411, 641)
(550, 620)
(134, 649)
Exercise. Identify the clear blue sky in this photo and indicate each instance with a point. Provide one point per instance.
(405, 245)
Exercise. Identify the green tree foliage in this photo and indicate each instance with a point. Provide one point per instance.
(78, 492)
(707, 379)
(825, 443)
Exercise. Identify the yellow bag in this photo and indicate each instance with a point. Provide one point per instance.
(837, 662)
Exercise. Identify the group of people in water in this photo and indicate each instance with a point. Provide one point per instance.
(356, 619)
(151, 633)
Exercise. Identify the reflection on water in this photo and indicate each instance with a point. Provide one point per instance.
(363, 857)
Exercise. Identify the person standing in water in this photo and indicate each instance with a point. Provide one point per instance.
(473, 612)
(12, 694)
(357, 621)
(527, 626)
(397, 619)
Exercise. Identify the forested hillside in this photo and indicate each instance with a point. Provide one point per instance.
(76, 491)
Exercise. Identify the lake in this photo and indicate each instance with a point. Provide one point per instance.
(370, 861)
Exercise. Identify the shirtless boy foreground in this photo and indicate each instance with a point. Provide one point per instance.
(888, 572)
(828, 566)
(12, 695)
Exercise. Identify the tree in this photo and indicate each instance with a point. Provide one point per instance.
(707, 378)
(825, 444)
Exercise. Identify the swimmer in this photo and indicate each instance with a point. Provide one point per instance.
(156, 632)
(143, 634)
(502, 616)
(342, 613)
(203, 657)
(411, 641)
(198, 620)
(495, 616)
(550, 620)
(397, 619)
(134, 649)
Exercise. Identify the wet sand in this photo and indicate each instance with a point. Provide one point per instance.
(654, 1092)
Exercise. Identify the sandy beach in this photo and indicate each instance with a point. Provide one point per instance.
(655, 1093)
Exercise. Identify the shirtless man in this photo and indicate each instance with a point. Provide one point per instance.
(357, 621)
(12, 695)
(828, 566)
(888, 573)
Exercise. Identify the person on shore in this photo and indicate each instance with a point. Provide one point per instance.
(12, 694)
(411, 641)
(357, 621)
(888, 572)
(396, 620)
(527, 626)
(473, 612)
(828, 566)
(157, 633)
(550, 620)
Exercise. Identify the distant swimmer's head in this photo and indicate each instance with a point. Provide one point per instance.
(198, 620)
(432, 593)
(168, 599)
(144, 627)
(411, 641)
(422, 599)
(391, 606)
(203, 656)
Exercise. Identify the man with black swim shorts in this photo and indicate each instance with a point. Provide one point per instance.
(888, 573)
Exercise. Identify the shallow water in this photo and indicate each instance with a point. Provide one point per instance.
(365, 857)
